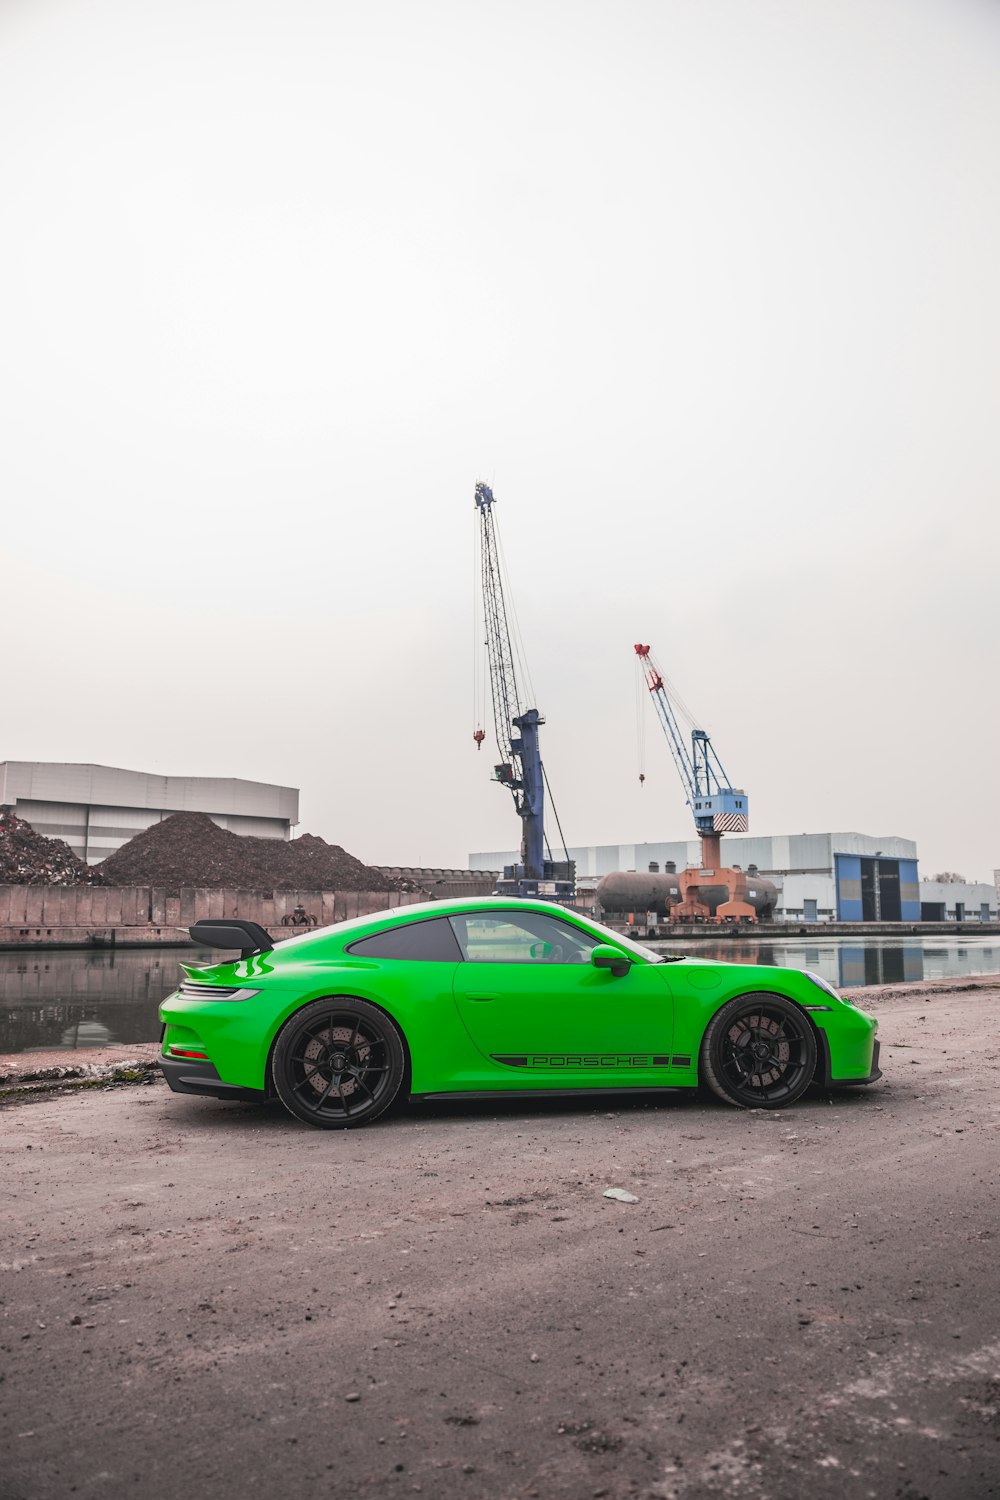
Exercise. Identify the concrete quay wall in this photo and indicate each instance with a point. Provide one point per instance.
(47, 916)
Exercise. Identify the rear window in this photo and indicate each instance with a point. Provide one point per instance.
(431, 942)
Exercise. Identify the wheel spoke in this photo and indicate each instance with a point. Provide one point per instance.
(362, 1085)
(308, 1080)
(318, 1103)
(363, 1046)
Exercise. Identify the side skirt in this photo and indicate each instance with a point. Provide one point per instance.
(494, 1094)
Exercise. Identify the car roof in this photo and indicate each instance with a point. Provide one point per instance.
(418, 911)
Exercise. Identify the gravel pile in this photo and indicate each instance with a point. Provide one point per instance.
(188, 849)
(29, 858)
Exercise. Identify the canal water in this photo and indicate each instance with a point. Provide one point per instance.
(83, 999)
(849, 962)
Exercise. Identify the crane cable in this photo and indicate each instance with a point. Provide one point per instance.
(480, 643)
(555, 813)
(640, 720)
(517, 642)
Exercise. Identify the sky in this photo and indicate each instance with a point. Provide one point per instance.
(707, 292)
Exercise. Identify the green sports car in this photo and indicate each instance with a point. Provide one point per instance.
(467, 999)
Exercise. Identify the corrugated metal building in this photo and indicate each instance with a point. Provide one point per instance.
(821, 877)
(97, 809)
(958, 901)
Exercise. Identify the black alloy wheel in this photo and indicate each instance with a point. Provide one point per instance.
(759, 1051)
(338, 1063)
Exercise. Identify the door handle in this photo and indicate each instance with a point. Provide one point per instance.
(480, 999)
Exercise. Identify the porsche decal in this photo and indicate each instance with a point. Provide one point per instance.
(590, 1060)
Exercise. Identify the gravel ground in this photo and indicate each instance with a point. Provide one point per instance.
(200, 1298)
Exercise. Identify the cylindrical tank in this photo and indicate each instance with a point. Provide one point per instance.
(638, 891)
(761, 894)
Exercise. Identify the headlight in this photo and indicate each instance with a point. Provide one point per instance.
(822, 984)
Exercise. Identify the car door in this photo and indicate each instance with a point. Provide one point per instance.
(531, 998)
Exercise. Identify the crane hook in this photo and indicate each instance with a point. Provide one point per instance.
(479, 736)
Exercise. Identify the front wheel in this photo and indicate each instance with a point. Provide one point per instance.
(759, 1051)
(338, 1063)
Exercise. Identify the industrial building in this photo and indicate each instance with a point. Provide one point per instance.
(821, 877)
(957, 901)
(97, 809)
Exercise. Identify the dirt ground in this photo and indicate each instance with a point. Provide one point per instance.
(210, 1299)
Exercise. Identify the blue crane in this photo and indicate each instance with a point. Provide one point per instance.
(718, 806)
(520, 769)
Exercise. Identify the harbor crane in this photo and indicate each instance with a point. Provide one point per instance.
(711, 893)
(520, 769)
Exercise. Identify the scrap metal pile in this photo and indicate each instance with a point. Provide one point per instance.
(188, 849)
(29, 858)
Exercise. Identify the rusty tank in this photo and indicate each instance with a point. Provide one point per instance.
(703, 892)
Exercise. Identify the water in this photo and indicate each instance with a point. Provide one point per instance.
(848, 962)
(83, 999)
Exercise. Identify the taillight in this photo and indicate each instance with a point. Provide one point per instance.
(186, 1052)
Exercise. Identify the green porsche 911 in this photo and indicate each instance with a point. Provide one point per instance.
(466, 999)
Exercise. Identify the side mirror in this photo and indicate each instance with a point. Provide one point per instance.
(606, 957)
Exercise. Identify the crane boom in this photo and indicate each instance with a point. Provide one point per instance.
(520, 768)
(713, 892)
(503, 678)
(718, 806)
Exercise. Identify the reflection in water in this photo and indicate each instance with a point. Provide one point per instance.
(850, 962)
(83, 998)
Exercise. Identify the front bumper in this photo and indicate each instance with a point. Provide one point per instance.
(852, 1083)
(187, 1075)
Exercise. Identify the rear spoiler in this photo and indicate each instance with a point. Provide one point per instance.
(248, 937)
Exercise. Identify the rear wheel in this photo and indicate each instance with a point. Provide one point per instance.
(338, 1063)
(759, 1051)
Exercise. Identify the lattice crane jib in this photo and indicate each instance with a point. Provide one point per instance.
(717, 805)
(515, 724)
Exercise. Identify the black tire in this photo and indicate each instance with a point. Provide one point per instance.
(759, 1051)
(338, 1063)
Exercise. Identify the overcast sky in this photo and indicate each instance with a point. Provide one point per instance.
(707, 289)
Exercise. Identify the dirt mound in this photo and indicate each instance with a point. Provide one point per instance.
(29, 858)
(188, 849)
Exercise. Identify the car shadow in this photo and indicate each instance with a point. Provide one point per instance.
(217, 1114)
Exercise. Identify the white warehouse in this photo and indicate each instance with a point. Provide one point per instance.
(97, 809)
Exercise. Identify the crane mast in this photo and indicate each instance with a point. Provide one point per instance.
(520, 768)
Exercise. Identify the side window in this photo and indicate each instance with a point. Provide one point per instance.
(509, 937)
(433, 942)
